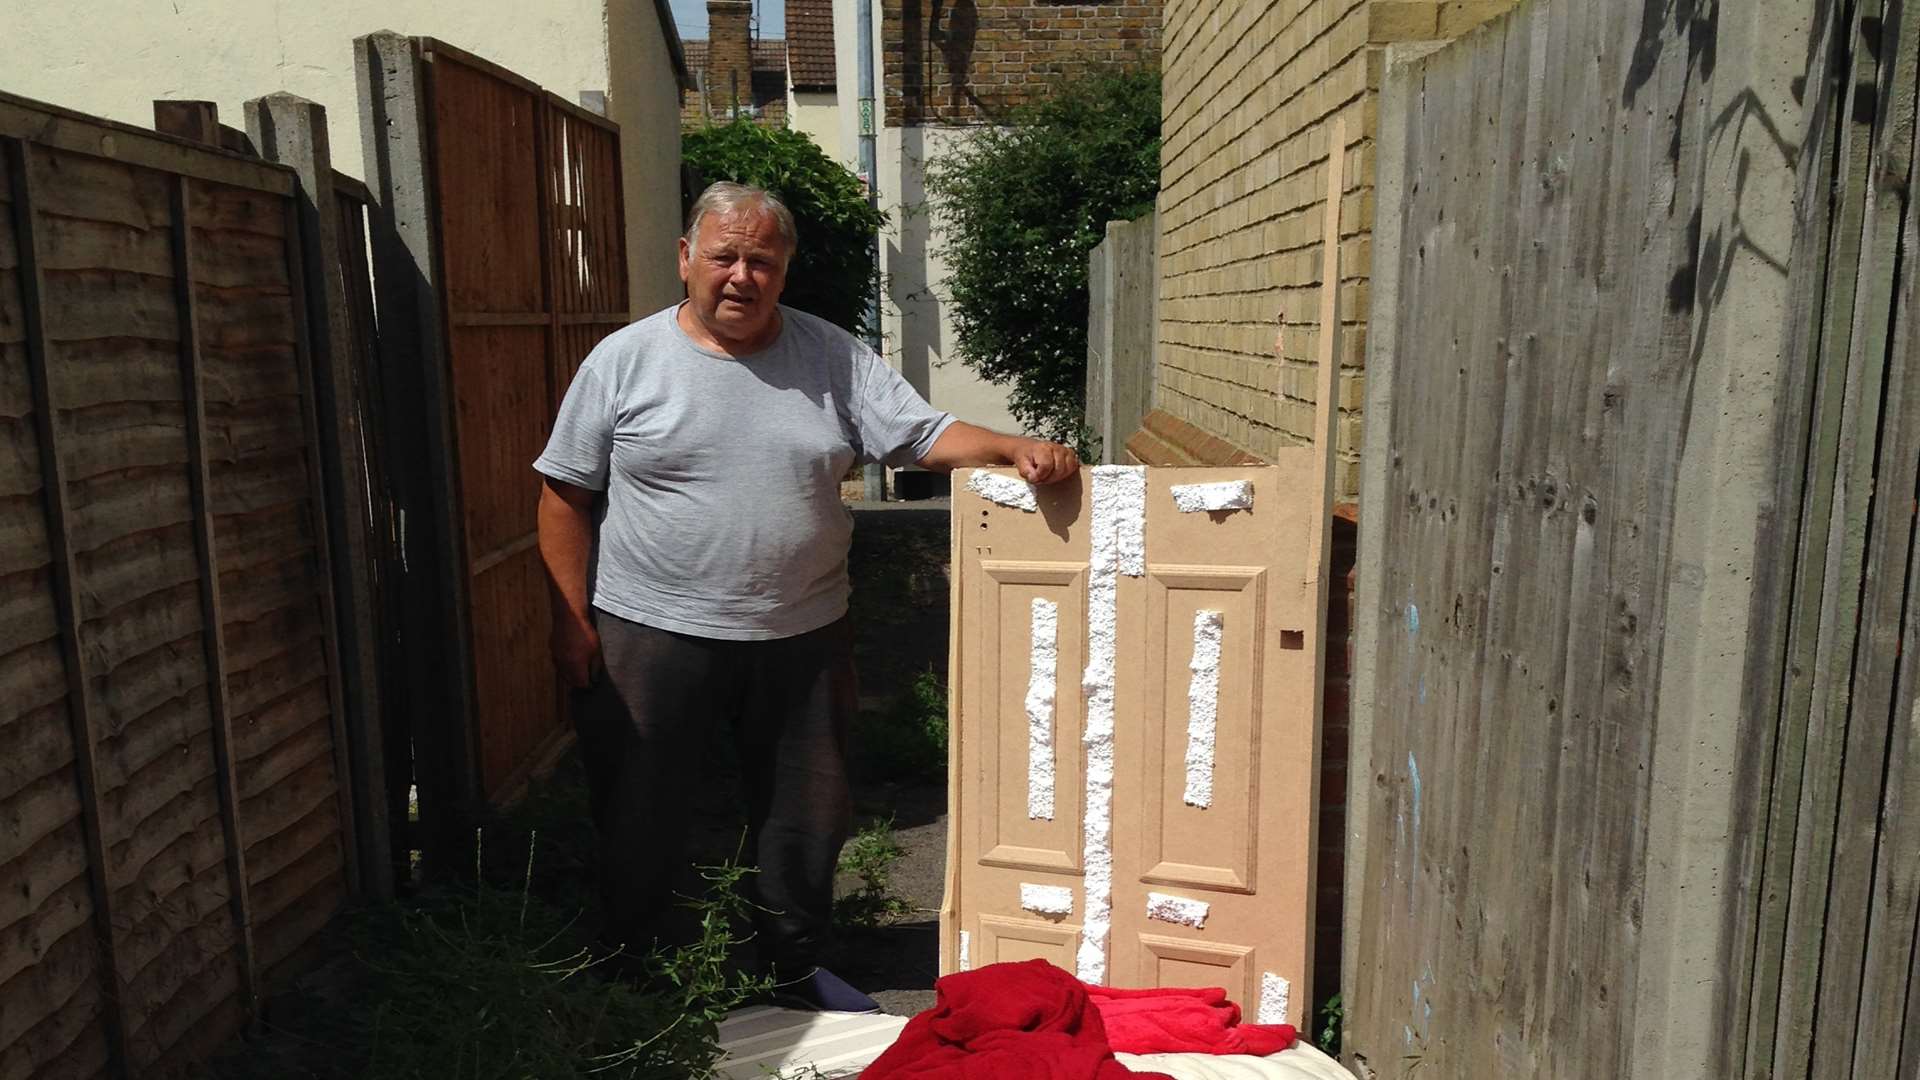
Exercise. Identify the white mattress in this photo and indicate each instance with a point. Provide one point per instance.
(767, 1042)
(1302, 1062)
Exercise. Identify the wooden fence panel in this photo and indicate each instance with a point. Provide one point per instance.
(114, 332)
(169, 694)
(489, 155)
(53, 1016)
(274, 595)
(502, 204)
(1546, 381)
(1570, 307)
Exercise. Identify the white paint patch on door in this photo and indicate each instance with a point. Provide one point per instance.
(1274, 992)
(1043, 661)
(966, 951)
(1118, 539)
(1183, 910)
(1219, 495)
(1004, 490)
(1047, 899)
(1203, 706)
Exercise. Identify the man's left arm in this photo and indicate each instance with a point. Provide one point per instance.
(963, 444)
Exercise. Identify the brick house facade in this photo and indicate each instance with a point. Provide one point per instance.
(1252, 88)
(967, 63)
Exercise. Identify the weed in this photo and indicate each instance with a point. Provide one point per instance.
(1332, 1013)
(909, 740)
(472, 981)
(871, 856)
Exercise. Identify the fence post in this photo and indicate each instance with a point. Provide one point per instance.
(1100, 317)
(293, 131)
(1134, 286)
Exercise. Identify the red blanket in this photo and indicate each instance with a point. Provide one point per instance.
(1183, 1022)
(1032, 1021)
(1026, 1021)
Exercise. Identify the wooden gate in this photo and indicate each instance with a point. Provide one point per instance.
(501, 203)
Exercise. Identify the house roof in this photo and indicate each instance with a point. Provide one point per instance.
(810, 44)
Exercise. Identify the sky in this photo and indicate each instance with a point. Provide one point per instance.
(690, 17)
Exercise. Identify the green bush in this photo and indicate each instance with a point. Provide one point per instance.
(834, 271)
(1023, 205)
(909, 740)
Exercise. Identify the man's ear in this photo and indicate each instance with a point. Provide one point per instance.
(686, 256)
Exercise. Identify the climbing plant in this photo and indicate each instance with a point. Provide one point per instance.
(1022, 206)
(834, 270)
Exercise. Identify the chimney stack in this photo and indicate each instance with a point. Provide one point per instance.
(729, 57)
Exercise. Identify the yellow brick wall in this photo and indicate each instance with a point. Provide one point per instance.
(1251, 90)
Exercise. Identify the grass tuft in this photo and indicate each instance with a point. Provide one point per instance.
(473, 981)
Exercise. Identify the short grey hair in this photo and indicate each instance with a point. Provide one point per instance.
(727, 197)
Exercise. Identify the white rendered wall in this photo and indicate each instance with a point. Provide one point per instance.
(112, 58)
(916, 319)
(817, 116)
(846, 74)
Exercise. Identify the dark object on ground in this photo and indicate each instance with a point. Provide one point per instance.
(823, 991)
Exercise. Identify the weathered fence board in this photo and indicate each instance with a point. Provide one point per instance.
(1123, 294)
(1642, 464)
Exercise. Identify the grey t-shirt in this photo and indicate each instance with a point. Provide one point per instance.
(722, 474)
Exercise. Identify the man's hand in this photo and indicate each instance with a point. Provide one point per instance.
(576, 650)
(1043, 462)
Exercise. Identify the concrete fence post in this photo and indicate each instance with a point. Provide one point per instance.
(292, 131)
(1100, 316)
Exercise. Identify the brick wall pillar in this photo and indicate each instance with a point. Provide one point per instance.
(729, 73)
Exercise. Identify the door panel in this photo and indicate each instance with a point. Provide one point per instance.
(1228, 868)
(1011, 836)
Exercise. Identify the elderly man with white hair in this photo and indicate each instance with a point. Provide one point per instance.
(693, 533)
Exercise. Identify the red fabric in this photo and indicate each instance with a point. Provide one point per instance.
(1183, 1022)
(1025, 1021)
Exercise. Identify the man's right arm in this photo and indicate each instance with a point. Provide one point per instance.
(566, 539)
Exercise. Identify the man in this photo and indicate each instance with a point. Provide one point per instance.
(718, 432)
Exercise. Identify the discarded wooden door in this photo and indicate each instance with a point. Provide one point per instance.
(1109, 635)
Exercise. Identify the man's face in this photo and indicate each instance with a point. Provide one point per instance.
(734, 279)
